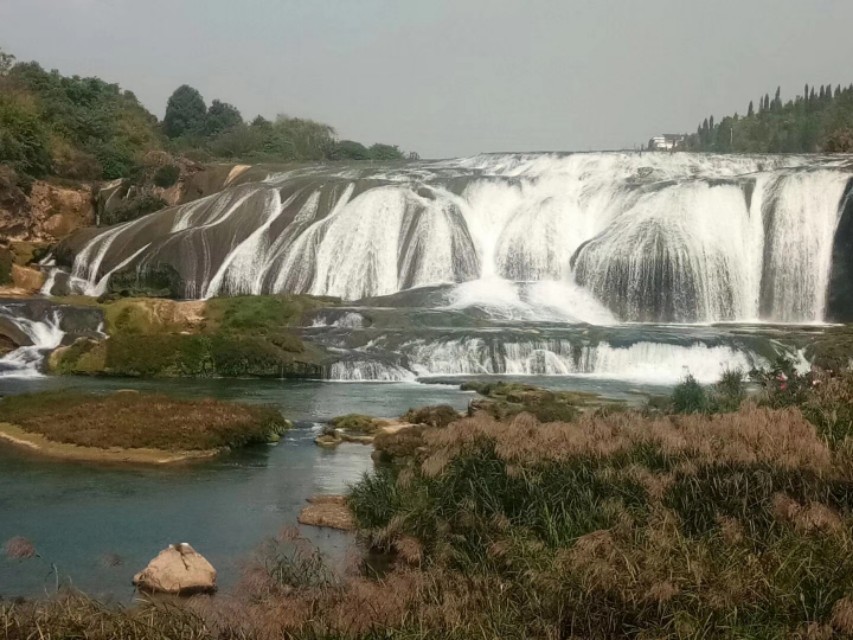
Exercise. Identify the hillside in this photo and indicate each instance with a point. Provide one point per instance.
(821, 119)
(88, 129)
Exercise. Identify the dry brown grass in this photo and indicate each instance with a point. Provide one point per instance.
(782, 438)
(19, 548)
(129, 419)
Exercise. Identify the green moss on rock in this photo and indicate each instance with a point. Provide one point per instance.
(157, 281)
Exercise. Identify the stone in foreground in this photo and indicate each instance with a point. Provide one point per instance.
(179, 569)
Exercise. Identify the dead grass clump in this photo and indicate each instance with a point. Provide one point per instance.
(327, 511)
(19, 548)
(782, 438)
(141, 420)
(814, 517)
(842, 616)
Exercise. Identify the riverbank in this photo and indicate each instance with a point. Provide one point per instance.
(37, 444)
(712, 514)
(129, 426)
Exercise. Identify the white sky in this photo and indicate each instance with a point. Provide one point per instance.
(451, 77)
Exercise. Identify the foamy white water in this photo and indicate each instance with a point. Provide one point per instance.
(25, 362)
(608, 236)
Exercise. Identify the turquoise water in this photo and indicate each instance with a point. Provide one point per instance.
(101, 524)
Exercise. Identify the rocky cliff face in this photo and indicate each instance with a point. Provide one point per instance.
(47, 214)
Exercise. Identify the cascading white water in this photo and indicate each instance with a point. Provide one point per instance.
(368, 371)
(628, 237)
(647, 362)
(46, 335)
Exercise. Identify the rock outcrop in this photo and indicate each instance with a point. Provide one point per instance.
(48, 213)
(178, 569)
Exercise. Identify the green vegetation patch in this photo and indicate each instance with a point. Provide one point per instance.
(260, 313)
(132, 420)
(355, 423)
(506, 399)
(6, 261)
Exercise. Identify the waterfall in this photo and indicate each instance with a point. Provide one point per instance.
(610, 237)
(44, 336)
(642, 361)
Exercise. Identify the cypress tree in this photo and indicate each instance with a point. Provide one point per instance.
(186, 112)
(777, 101)
(767, 102)
(750, 111)
(821, 95)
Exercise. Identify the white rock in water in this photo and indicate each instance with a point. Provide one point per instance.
(177, 569)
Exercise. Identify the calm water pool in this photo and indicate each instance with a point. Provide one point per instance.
(84, 517)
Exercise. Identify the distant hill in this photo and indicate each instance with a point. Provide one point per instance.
(88, 129)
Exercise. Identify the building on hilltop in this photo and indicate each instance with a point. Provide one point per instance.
(667, 142)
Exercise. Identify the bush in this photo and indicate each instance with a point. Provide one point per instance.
(690, 397)
(437, 416)
(132, 209)
(167, 175)
(23, 138)
(160, 280)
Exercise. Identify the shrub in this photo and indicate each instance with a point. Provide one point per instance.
(132, 209)
(23, 139)
(690, 397)
(354, 422)
(437, 416)
(167, 175)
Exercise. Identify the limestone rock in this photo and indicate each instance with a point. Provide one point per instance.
(178, 569)
(27, 278)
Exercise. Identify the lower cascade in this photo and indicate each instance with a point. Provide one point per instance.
(40, 336)
(598, 237)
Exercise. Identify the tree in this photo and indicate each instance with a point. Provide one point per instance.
(23, 138)
(7, 61)
(777, 100)
(186, 113)
(751, 110)
(350, 150)
(385, 152)
(261, 122)
(221, 117)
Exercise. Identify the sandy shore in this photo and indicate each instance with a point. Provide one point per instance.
(38, 444)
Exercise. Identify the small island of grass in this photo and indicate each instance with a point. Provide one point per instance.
(128, 426)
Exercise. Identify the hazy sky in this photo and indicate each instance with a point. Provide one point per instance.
(451, 77)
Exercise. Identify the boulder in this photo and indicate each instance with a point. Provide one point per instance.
(27, 278)
(178, 569)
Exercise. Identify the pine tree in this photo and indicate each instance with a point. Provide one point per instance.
(777, 101)
(751, 110)
(711, 124)
(767, 102)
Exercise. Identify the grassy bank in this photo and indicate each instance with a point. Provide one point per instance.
(710, 515)
(251, 336)
(112, 427)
